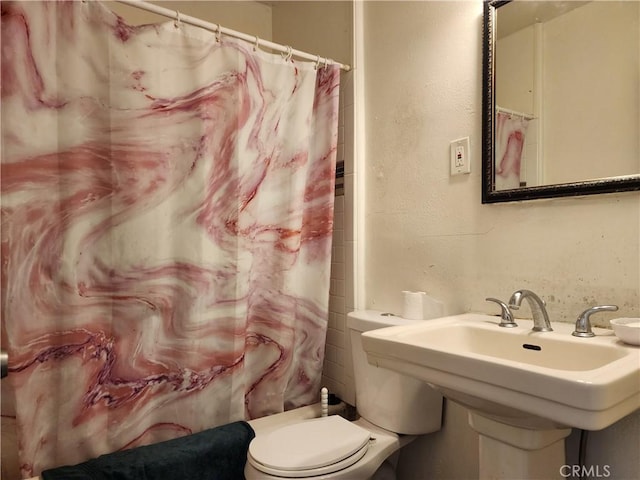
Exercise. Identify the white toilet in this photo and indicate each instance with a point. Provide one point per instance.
(392, 408)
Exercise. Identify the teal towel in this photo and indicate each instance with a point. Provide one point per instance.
(216, 454)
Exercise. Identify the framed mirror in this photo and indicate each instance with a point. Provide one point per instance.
(561, 98)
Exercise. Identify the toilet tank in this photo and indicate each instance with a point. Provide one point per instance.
(393, 401)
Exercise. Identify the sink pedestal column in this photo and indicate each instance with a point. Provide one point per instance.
(508, 452)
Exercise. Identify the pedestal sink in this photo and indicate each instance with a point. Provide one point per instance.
(525, 390)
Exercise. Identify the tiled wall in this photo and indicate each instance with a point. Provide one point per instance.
(337, 363)
(332, 373)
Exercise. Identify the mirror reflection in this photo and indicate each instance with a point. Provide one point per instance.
(567, 92)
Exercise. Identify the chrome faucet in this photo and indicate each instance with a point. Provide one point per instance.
(583, 324)
(541, 321)
(506, 317)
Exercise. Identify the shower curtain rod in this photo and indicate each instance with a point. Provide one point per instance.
(179, 17)
(526, 116)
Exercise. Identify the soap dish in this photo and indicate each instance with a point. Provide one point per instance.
(627, 329)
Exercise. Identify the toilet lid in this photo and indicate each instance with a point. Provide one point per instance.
(311, 447)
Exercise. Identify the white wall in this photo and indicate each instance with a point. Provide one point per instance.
(428, 231)
(603, 140)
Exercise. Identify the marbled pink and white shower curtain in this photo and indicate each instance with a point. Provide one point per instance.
(511, 132)
(167, 205)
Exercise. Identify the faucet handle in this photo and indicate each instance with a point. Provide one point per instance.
(506, 317)
(583, 323)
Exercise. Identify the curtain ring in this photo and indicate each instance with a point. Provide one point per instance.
(177, 22)
(317, 62)
(256, 43)
(289, 53)
(218, 33)
(285, 55)
(326, 63)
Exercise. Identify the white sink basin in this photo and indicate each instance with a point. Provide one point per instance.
(536, 380)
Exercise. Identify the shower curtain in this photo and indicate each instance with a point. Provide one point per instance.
(511, 132)
(167, 205)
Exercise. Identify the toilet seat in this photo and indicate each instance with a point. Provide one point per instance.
(312, 447)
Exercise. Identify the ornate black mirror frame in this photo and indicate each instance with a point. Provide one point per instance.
(489, 194)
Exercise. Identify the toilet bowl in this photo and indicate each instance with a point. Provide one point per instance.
(381, 444)
(393, 409)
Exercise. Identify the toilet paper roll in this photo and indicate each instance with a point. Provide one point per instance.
(420, 306)
(412, 308)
